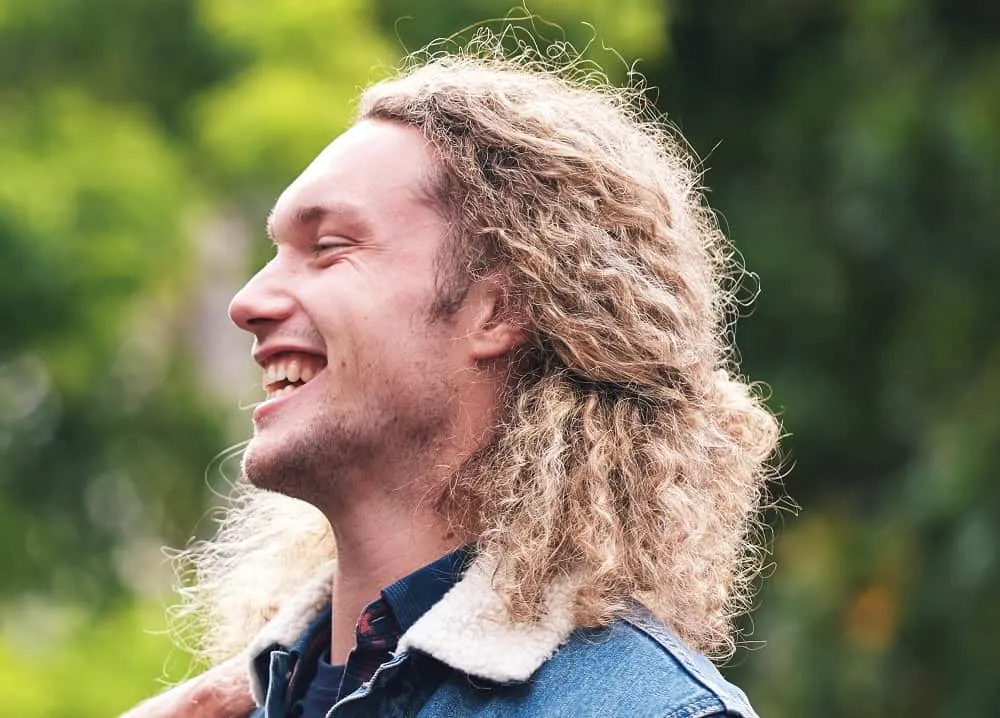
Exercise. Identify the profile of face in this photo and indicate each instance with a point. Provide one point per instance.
(357, 374)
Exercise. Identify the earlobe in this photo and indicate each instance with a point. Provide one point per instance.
(495, 332)
(496, 340)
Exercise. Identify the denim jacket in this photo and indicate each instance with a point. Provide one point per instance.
(465, 658)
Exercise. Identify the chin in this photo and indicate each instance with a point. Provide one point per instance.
(275, 466)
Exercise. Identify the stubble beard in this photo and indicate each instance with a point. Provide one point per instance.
(321, 461)
(304, 465)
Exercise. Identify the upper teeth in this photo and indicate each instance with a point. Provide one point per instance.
(288, 367)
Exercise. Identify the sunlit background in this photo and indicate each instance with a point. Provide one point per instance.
(852, 149)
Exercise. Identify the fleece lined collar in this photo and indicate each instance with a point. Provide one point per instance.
(468, 630)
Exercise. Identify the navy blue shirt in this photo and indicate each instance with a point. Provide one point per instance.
(378, 631)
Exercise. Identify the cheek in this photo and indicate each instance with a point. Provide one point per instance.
(373, 322)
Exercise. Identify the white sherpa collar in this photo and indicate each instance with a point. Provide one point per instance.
(468, 629)
(291, 621)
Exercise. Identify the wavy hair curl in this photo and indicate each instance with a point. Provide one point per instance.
(631, 456)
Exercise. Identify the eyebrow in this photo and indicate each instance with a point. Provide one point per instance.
(304, 217)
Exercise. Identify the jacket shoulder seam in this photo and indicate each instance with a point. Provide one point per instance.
(703, 707)
(716, 687)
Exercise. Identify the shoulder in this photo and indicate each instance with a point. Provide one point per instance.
(638, 666)
(634, 668)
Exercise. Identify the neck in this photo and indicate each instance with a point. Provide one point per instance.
(380, 539)
(388, 524)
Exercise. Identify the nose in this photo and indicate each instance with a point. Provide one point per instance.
(262, 300)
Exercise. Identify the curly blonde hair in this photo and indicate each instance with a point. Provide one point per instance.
(631, 454)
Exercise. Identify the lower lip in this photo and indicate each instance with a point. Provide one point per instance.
(269, 406)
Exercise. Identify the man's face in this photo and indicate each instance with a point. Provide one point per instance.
(357, 375)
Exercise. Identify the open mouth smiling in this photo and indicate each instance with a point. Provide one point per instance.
(286, 372)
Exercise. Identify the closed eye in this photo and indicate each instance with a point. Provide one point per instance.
(328, 243)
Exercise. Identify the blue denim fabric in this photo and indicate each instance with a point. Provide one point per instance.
(635, 668)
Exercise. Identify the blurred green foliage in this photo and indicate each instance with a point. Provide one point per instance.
(852, 149)
(79, 666)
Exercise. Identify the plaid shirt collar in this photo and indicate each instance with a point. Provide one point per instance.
(381, 624)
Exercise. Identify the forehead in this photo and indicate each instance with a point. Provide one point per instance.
(375, 171)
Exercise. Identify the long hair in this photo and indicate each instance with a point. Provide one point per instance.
(631, 455)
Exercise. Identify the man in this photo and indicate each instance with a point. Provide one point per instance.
(493, 339)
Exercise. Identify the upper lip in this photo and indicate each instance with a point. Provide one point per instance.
(263, 353)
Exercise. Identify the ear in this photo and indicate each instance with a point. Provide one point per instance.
(493, 330)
